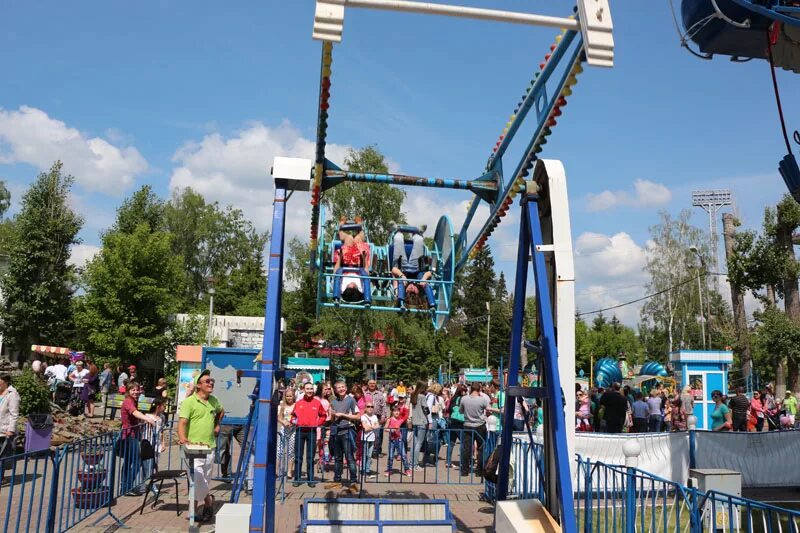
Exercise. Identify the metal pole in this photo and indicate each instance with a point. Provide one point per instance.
(467, 12)
(210, 314)
(262, 514)
(488, 325)
(702, 320)
(700, 292)
(515, 356)
(450, 366)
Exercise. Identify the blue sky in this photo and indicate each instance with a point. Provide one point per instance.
(205, 94)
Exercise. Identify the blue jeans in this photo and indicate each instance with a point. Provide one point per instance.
(337, 283)
(306, 441)
(366, 456)
(397, 447)
(131, 465)
(654, 424)
(420, 434)
(342, 447)
(434, 436)
(454, 433)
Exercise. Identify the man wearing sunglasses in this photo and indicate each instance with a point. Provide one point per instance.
(200, 416)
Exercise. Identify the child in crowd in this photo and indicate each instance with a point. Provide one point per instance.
(157, 411)
(370, 425)
(396, 445)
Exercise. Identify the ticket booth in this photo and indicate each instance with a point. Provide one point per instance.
(704, 371)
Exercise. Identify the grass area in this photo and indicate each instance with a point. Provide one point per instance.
(666, 518)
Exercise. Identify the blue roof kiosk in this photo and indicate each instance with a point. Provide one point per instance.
(481, 375)
(316, 367)
(704, 371)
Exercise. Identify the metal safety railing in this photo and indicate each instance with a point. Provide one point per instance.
(616, 498)
(726, 512)
(409, 455)
(619, 498)
(55, 489)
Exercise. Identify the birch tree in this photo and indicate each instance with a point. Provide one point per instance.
(673, 269)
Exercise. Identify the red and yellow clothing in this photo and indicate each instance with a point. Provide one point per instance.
(309, 412)
(351, 255)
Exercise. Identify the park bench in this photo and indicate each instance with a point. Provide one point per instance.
(114, 402)
(343, 515)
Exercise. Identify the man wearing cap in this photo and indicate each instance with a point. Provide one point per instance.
(790, 405)
(200, 416)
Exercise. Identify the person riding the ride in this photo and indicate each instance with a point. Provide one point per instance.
(351, 264)
(410, 266)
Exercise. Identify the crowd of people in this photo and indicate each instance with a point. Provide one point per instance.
(80, 384)
(352, 426)
(622, 409)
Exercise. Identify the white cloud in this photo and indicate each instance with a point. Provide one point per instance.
(235, 170)
(80, 254)
(426, 206)
(29, 135)
(645, 194)
(609, 272)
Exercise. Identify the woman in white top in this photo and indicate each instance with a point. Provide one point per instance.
(9, 413)
(77, 375)
(286, 431)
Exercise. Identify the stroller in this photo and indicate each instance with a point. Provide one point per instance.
(62, 393)
(76, 405)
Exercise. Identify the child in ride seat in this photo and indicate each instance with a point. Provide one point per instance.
(354, 255)
(409, 267)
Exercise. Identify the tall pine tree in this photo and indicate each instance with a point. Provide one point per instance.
(39, 283)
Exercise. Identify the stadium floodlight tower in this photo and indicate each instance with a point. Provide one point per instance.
(711, 201)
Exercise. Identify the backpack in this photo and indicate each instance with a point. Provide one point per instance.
(493, 464)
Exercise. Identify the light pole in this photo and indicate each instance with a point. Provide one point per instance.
(211, 292)
(449, 366)
(700, 293)
(488, 325)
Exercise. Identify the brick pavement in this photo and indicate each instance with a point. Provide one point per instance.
(470, 512)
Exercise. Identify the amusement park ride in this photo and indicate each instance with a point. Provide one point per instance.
(722, 27)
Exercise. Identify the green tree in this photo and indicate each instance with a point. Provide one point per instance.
(39, 283)
(477, 287)
(500, 331)
(132, 287)
(6, 225)
(606, 338)
(672, 265)
(378, 204)
(777, 340)
(5, 198)
(299, 302)
(766, 265)
(34, 395)
(220, 246)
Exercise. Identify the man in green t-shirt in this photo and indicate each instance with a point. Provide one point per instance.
(790, 405)
(200, 416)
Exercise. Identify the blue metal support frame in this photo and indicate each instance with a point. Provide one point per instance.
(768, 12)
(543, 114)
(481, 186)
(530, 236)
(262, 514)
(515, 351)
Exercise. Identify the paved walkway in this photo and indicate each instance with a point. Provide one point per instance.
(470, 512)
(463, 492)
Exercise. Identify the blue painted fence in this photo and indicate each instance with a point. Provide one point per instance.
(617, 498)
(55, 489)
